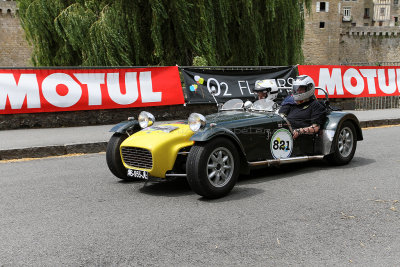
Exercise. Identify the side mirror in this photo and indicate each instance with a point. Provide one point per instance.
(213, 91)
(247, 104)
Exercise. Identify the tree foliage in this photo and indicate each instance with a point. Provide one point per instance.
(163, 32)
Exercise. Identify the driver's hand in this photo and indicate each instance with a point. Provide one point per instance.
(295, 134)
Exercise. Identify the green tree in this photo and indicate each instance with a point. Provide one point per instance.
(163, 32)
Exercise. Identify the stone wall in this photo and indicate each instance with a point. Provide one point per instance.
(370, 48)
(14, 49)
(98, 117)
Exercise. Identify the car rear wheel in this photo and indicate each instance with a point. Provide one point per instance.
(113, 157)
(345, 144)
(213, 168)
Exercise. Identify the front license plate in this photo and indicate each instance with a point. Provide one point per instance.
(138, 174)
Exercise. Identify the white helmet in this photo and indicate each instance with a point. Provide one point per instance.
(267, 86)
(307, 85)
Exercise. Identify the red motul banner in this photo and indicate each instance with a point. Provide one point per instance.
(351, 81)
(51, 90)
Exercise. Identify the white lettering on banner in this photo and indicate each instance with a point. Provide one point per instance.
(50, 93)
(114, 89)
(330, 82)
(243, 87)
(390, 87)
(398, 79)
(146, 88)
(27, 87)
(217, 90)
(93, 82)
(370, 74)
(282, 82)
(347, 78)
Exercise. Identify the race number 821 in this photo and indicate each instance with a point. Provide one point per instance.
(281, 144)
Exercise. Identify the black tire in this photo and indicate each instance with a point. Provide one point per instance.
(113, 157)
(344, 145)
(221, 153)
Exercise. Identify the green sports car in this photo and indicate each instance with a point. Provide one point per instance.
(211, 151)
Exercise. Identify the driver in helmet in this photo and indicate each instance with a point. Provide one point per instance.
(305, 115)
(266, 89)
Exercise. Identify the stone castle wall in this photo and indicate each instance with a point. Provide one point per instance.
(370, 44)
(346, 42)
(369, 48)
(14, 49)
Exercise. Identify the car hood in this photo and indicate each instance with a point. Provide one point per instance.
(226, 118)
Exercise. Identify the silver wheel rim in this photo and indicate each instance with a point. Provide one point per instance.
(345, 142)
(220, 167)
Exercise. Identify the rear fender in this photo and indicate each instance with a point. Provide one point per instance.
(330, 130)
(127, 127)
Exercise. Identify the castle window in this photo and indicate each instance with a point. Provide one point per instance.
(396, 2)
(322, 24)
(346, 13)
(382, 11)
(366, 13)
(322, 6)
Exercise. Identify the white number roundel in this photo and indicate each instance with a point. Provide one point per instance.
(281, 144)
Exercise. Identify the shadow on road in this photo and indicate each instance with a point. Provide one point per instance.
(178, 187)
(296, 169)
(237, 193)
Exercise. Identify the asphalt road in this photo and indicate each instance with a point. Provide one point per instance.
(72, 211)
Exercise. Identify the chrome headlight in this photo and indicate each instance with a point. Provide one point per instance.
(196, 121)
(146, 119)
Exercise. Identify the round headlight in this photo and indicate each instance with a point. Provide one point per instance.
(146, 119)
(196, 121)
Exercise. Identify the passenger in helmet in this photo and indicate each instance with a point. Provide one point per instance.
(266, 89)
(305, 115)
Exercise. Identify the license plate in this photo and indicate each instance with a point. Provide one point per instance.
(138, 174)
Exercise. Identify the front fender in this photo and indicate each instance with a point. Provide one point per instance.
(210, 133)
(125, 126)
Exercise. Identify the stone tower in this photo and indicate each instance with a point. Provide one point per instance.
(14, 49)
(322, 33)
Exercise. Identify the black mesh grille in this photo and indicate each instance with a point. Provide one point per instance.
(137, 157)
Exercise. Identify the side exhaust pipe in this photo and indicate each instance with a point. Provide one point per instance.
(275, 162)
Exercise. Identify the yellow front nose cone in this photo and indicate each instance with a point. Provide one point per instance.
(163, 146)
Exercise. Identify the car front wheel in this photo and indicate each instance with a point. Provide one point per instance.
(213, 168)
(345, 144)
(113, 157)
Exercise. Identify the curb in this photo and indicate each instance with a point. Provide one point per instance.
(46, 151)
(377, 123)
(96, 147)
